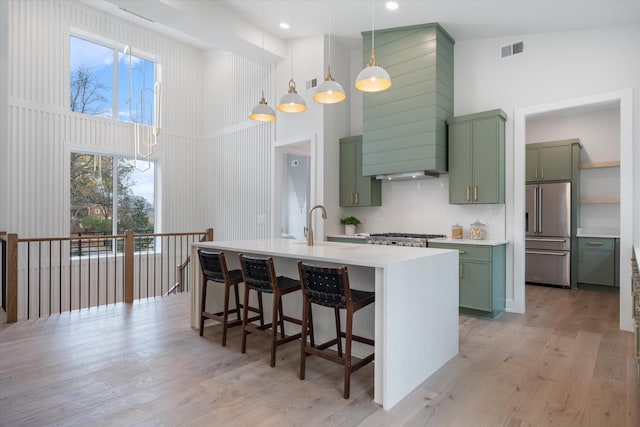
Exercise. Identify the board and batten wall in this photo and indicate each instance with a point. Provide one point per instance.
(42, 130)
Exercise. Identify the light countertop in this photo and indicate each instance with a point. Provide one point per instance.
(337, 252)
(469, 241)
(610, 233)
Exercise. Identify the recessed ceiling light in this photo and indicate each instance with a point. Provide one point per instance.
(284, 26)
(392, 5)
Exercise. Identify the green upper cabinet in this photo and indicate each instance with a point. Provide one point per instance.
(356, 189)
(476, 158)
(551, 161)
(405, 126)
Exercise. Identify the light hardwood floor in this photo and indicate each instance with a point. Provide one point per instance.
(563, 363)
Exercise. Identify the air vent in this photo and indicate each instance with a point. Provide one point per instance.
(311, 83)
(511, 49)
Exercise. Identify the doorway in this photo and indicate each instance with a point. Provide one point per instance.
(624, 99)
(296, 189)
(294, 181)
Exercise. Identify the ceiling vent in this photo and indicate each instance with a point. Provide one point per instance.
(511, 49)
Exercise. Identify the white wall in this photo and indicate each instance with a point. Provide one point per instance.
(42, 129)
(553, 68)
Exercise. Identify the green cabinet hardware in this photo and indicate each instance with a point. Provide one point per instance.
(476, 158)
(598, 261)
(552, 161)
(482, 277)
(356, 189)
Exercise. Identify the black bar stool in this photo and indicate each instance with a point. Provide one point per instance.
(214, 269)
(329, 287)
(259, 275)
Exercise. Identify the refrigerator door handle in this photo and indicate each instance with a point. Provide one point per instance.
(535, 210)
(540, 210)
(542, 239)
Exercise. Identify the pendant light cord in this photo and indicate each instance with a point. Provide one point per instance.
(373, 31)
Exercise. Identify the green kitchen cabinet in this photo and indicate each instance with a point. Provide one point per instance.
(341, 239)
(476, 158)
(597, 261)
(356, 189)
(482, 278)
(552, 161)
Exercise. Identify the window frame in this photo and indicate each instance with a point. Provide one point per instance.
(117, 48)
(115, 159)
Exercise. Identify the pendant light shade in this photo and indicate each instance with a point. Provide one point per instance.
(291, 102)
(329, 91)
(262, 112)
(373, 78)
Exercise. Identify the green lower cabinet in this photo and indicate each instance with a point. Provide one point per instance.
(597, 261)
(482, 278)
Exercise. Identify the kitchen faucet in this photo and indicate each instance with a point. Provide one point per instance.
(310, 230)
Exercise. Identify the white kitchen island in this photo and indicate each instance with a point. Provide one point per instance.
(415, 319)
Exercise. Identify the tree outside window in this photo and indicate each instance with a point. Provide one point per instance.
(108, 194)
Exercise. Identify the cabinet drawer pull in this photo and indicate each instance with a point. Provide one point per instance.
(468, 193)
(461, 251)
(475, 193)
(357, 198)
(535, 174)
(541, 173)
(460, 271)
(595, 243)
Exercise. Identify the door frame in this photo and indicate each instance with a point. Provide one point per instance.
(291, 145)
(515, 230)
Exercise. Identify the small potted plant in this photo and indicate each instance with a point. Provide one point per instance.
(349, 223)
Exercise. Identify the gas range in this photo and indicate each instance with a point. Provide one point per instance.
(402, 239)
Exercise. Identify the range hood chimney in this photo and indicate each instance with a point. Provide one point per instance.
(405, 127)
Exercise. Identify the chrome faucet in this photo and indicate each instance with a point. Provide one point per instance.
(310, 229)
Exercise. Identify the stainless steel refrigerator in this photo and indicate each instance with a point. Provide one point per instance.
(548, 234)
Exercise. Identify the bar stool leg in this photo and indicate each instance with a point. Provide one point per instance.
(347, 355)
(338, 330)
(245, 316)
(203, 303)
(306, 323)
(225, 315)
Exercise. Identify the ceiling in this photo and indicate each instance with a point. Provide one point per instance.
(240, 25)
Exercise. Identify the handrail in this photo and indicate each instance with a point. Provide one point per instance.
(181, 267)
(93, 257)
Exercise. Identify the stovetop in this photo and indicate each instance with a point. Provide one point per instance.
(408, 235)
(402, 239)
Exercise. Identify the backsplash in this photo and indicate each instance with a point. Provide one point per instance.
(422, 206)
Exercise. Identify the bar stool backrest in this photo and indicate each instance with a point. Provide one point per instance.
(259, 273)
(325, 286)
(213, 264)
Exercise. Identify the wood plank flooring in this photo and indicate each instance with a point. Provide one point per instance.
(563, 363)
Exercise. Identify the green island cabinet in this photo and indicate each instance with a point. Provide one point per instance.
(482, 276)
(356, 189)
(598, 261)
(552, 161)
(476, 158)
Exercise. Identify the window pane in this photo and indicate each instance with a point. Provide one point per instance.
(91, 80)
(142, 77)
(91, 194)
(135, 196)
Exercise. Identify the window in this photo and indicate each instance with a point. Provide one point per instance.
(110, 196)
(123, 92)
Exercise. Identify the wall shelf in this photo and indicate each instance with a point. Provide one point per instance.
(596, 165)
(599, 200)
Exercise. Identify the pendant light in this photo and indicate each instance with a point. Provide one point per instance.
(291, 102)
(262, 112)
(373, 78)
(329, 91)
